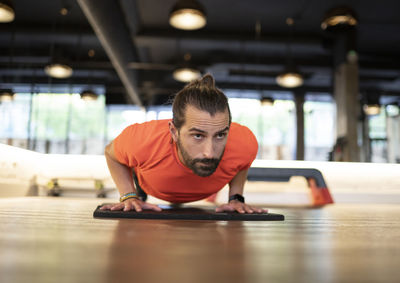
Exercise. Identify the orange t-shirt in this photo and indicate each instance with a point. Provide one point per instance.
(150, 150)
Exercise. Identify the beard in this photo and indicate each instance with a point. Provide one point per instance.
(202, 167)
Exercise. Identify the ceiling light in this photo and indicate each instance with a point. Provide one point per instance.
(89, 95)
(6, 95)
(187, 15)
(7, 13)
(339, 16)
(290, 79)
(267, 101)
(372, 109)
(59, 71)
(91, 53)
(393, 110)
(64, 11)
(339, 20)
(371, 102)
(186, 74)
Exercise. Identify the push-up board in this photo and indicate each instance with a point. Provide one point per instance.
(187, 213)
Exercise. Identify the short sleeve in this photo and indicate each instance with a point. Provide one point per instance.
(124, 146)
(241, 148)
(250, 147)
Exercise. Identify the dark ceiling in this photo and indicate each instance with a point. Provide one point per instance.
(137, 34)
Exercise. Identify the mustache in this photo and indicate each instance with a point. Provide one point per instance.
(211, 161)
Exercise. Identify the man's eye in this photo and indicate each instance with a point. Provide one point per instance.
(197, 136)
(221, 135)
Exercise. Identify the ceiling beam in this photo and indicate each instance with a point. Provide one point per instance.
(146, 35)
(37, 30)
(169, 89)
(108, 23)
(38, 62)
(26, 79)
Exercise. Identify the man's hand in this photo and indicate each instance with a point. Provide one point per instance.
(131, 204)
(240, 207)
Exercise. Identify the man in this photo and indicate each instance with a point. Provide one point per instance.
(185, 159)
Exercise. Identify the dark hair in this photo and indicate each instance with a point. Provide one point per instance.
(201, 94)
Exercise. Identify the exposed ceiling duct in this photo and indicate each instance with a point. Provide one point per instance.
(107, 21)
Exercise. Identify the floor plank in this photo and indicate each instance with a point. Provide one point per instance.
(58, 240)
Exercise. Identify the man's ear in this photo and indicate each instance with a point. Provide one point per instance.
(173, 131)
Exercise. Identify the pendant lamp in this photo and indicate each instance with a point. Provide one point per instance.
(187, 15)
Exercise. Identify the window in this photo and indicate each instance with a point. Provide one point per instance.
(272, 125)
(319, 130)
(14, 117)
(377, 137)
(121, 116)
(64, 123)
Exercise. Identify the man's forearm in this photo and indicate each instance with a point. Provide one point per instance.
(236, 186)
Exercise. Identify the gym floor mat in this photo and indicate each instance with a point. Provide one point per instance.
(187, 213)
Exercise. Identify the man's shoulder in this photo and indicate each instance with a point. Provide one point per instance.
(152, 124)
(241, 138)
(241, 148)
(238, 131)
(143, 142)
(143, 134)
(146, 129)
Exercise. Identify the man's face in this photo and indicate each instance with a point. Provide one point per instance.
(201, 140)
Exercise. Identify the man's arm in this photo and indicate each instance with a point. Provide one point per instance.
(120, 173)
(123, 179)
(236, 186)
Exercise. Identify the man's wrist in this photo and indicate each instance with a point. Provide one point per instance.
(129, 195)
(237, 197)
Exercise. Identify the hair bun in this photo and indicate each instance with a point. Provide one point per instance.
(208, 81)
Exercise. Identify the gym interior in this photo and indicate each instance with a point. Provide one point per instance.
(317, 82)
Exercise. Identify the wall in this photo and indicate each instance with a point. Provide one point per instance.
(24, 172)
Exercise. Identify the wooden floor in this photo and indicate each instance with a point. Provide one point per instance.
(57, 240)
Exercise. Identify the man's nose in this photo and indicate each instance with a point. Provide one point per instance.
(208, 149)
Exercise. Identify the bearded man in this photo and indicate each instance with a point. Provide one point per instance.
(186, 159)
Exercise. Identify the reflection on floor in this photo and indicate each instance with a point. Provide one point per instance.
(58, 240)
